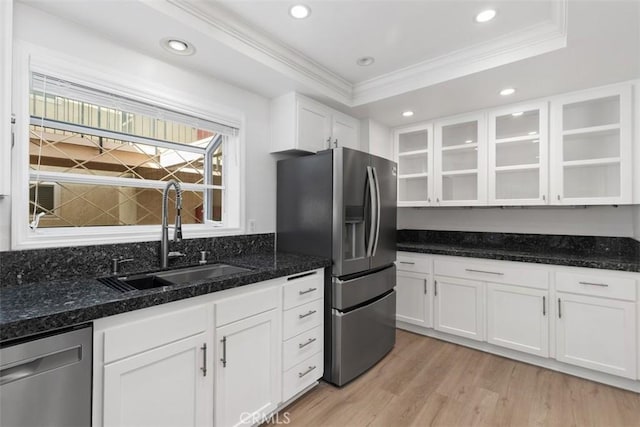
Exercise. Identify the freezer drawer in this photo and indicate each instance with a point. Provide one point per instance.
(362, 337)
(360, 289)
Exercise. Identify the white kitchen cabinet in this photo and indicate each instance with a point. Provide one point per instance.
(518, 155)
(518, 318)
(459, 307)
(460, 161)
(591, 147)
(166, 386)
(414, 148)
(301, 124)
(414, 298)
(247, 367)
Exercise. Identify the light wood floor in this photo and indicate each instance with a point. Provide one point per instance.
(427, 382)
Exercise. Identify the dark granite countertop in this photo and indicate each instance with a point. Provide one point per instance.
(40, 307)
(607, 253)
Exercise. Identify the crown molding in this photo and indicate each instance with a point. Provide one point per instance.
(231, 31)
(532, 41)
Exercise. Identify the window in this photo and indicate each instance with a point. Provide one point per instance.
(98, 163)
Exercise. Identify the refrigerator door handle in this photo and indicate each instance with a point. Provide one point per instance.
(372, 206)
(377, 184)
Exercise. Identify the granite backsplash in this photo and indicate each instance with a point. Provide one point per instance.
(576, 245)
(39, 265)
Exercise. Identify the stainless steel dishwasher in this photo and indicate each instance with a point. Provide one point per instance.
(46, 381)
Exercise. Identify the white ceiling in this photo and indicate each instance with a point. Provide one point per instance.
(430, 55)
(396, 33)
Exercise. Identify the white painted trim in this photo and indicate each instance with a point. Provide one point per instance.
(6, 44)
(228, 29)
(76, 178)
(29, 57)
(532, 41)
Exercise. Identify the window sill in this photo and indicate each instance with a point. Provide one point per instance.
(52, 238)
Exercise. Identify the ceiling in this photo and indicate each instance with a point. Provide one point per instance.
(430, 56)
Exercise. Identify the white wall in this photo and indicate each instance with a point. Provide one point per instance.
(53, 33)
(376, 138)
(590, 221)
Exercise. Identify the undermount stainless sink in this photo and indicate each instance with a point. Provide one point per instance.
(171, 277)
(191, 274)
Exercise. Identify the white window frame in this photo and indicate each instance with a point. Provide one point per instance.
(30, 58)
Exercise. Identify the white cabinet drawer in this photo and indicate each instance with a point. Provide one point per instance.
(597, 284)
(303, 288)
(246, 305)
(493, 272)
(301, 376)
(300, 347)
(136, 337)
(417, 263)
(302, 318)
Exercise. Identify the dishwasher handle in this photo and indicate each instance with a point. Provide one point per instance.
(38, 365)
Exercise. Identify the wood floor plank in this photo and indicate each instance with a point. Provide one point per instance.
(428, 382)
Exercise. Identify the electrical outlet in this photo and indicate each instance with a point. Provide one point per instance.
(252, 226)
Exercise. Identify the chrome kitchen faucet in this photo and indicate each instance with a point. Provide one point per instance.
(177, 235)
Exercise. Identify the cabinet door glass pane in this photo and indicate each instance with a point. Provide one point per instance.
(592, 181)
(460, 133)
(519, 184)
(596, 145)
(520, 123)
(418, 163)
(413, 141)
(594, 112)
(460, 187)
(456, 160)
(412, 189)
(518, 153)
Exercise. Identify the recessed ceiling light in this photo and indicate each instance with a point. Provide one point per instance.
(486, 15)
(518, 114)
(177, 46)
(407, 114)
(299, 11)
(365, 61)
(508, 91)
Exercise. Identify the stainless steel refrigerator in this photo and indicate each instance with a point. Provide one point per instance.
(341, 204)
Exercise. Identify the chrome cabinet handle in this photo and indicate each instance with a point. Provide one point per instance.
(544, 306)
(302, 316)
(307, 291)
(425, 286)
(604, 285)
(559, 309)
(471, 270)
(435, 288)
(304, 344)
(302, 374)
(224, 352)
(204, 359)
(407, 262)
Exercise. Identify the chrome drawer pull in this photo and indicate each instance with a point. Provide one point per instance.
(470, 270)
(407, 262)
(307, 291)
(224, 352)
(204, 359)
(304, 344)
(302, 374)
(604, 285)
(302, 316)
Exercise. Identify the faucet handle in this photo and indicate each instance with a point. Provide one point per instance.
(203, 257)
(115, 264)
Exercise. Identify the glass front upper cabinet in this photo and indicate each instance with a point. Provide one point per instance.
(459, 161)
(518, 155)
(415, 177)
(591, 147)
